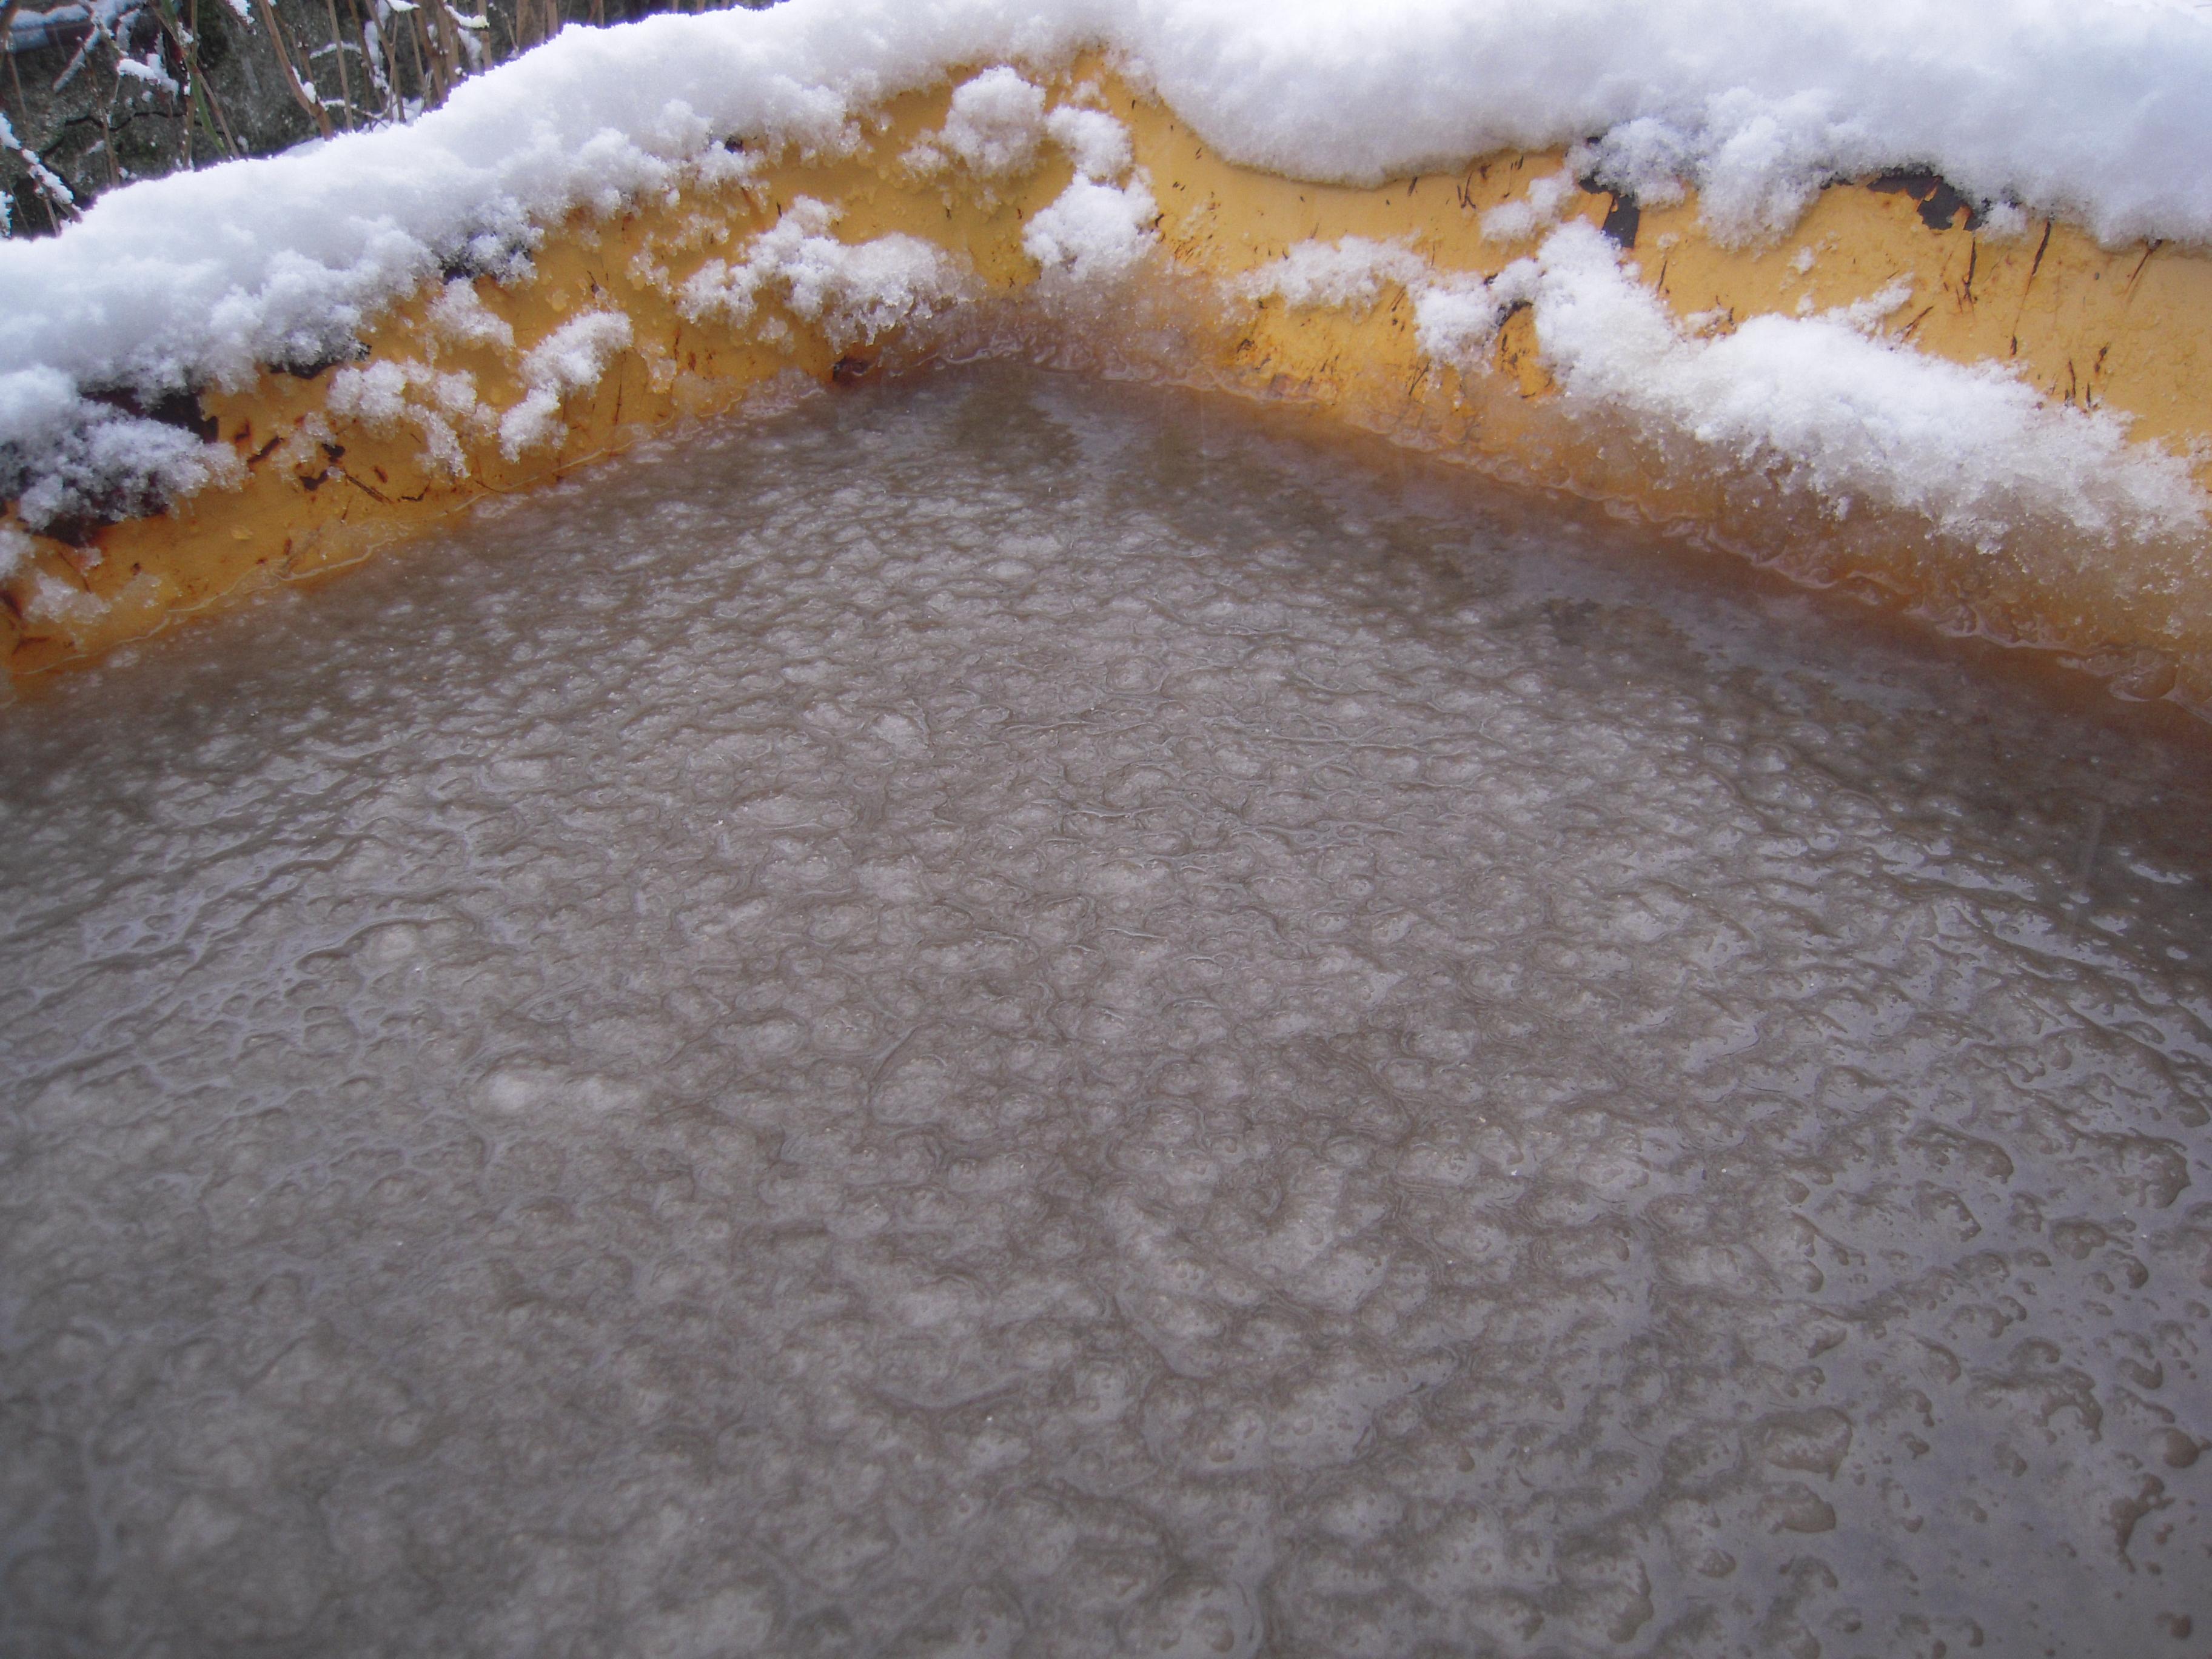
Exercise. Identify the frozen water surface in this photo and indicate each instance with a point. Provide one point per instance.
(1002, 1016)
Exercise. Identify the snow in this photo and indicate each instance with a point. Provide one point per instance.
(996, 122)
(1971, 448)
(1097, 143)
(854, 291)
(2004, 221)
(1821, 400)
(15, 547)
(1092, 233)
(1546, 198)
(31, 29)
(384, 394)
(460, 315)
(1096, 231)
(1348, 273)
(571, 358)
(2092, 110)
(55, 600)
(1455, 319)
(203, 277)
(149, 71)
(61, 454)
(48, 181)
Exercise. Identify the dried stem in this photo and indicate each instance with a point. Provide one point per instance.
(379, 81)
(213, 121)
(396, 102)
(449, 46)
(314, 107)
(429, 69)
(338, 51)
(543, 21)
(107, 122)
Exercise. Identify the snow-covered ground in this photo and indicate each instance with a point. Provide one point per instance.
(1005, 1017)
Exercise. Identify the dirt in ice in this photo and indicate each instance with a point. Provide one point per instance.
(1008, 1017)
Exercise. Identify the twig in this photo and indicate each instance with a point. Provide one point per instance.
(429, 73)
(395, 100)
(376, 77)
(449, 49)
(314, 107)
(338, 46)
(214, 104)
(52, 192)
(197, 93)
(14, 79)
(107, 122)
(395, 94)
(76, 58)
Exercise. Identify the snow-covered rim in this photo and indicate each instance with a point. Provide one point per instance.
(1822, 402)
(2098, 109)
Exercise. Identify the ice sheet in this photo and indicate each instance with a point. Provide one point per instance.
(1014, 1016)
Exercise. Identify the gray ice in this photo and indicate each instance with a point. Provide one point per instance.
(1004, 1016)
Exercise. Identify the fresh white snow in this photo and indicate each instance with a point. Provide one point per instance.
(1972, 449)
(996, 122)
(571, 359)
(1838, 408)
(855, 290)
(1092, 231)
(1349, 273)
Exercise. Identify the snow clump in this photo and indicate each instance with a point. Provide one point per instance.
(1516, 222)
(855, 290)
(1347, 274)
(382, 395)
(1096, 231)
(571, 359)
(63, 455)
(1094, 141)
(15, 547)
(461, 317)
(1818, 400)
(1971, 448)
(996, 123)
(1093, 232)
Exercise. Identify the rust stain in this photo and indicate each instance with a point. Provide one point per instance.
(2149, 248)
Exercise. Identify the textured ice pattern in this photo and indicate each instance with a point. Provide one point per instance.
(1014, 1017)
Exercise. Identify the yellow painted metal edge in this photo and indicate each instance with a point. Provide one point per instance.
(2127, 330)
